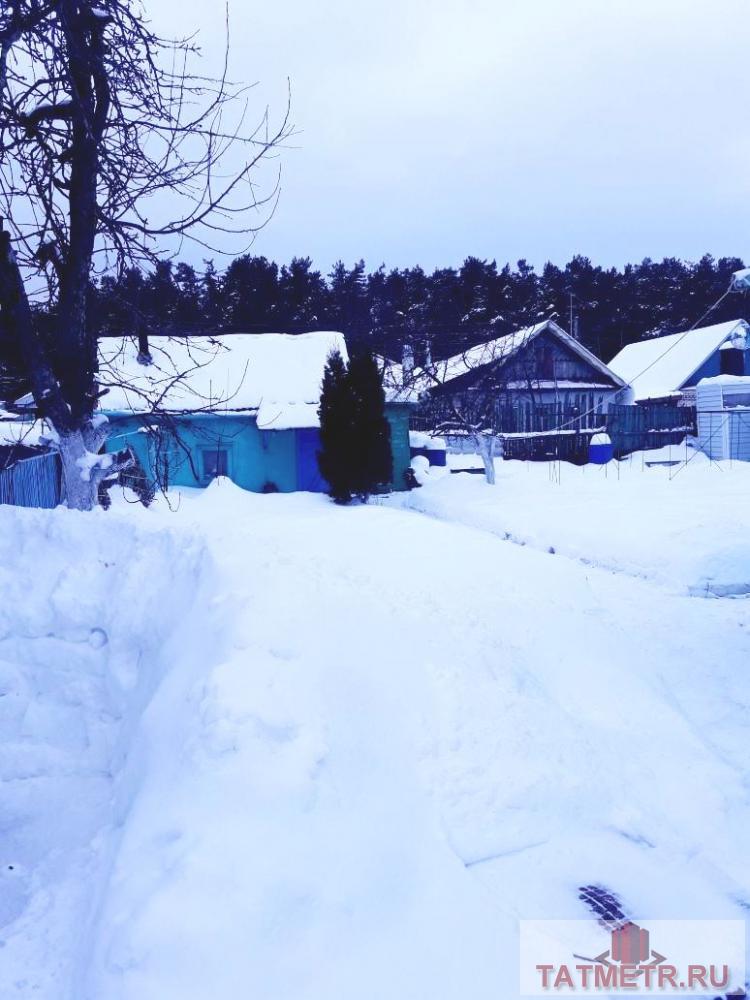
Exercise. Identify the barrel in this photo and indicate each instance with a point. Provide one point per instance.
(437, 452)
(601, 450)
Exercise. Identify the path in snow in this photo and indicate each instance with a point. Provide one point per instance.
(408, 734)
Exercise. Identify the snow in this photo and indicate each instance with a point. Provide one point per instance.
(741, 279)
(660, 366)
(731, 381)
(266, 746)
(560, 383)
(14, 431)
(400, 387)
(90, 461)
(423, 472)
(278, 376)
(87, 613)
(417, 439)
(670, 516)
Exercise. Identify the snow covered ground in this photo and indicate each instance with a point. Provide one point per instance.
(684, 525)
(269, 747)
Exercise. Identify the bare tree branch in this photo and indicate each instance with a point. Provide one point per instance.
(110, 144)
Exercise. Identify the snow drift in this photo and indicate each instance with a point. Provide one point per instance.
(276, 748)
(89, 607)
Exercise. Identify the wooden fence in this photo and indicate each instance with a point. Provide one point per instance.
(519, 417)
(636, 428)
(550, 431)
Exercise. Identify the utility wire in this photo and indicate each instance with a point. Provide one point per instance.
(657, 359)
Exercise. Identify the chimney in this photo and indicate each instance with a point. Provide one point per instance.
(144, 355)
(407, 360)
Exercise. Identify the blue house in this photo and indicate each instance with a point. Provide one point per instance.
(242, 405)
(667, 369)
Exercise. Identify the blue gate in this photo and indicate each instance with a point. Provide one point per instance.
(308, 474)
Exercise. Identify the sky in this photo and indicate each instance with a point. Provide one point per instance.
(505, 129)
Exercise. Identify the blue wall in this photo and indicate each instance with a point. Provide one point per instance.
(711, 367)
(398, 418)
(256, 459)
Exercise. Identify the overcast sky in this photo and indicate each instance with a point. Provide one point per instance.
(430, 130)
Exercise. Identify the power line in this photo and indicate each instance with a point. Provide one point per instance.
(662, 355)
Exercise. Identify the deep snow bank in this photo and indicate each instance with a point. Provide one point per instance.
(89, 606)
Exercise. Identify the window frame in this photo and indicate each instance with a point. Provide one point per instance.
(215, 451)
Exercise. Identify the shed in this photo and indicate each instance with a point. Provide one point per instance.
(723, 413)
(241, 405)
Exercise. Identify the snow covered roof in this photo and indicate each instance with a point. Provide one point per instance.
(499, 350)
(16, 430)
(733, 381)
(661, 366)
(276, 375)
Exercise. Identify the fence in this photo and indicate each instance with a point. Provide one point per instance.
(550, 431)
(525, 417)
(565, 446)
(636, 428)
(32, 482)
(519, 417)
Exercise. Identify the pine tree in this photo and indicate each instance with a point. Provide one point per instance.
(355, 436)
(337, 438)
(372, 462)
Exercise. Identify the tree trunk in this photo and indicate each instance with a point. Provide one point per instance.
(486, 446)
(75, 442)
(80, 479)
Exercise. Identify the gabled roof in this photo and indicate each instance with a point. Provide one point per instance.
(661, 366)
(500, 350)
(277, 376)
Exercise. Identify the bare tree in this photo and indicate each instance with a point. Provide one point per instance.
(464, 394)
(110, 144)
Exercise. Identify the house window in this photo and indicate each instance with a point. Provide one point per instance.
(545, 365)
(215, 463)
(737, 399)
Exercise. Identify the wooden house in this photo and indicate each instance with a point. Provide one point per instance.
(535, 378)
